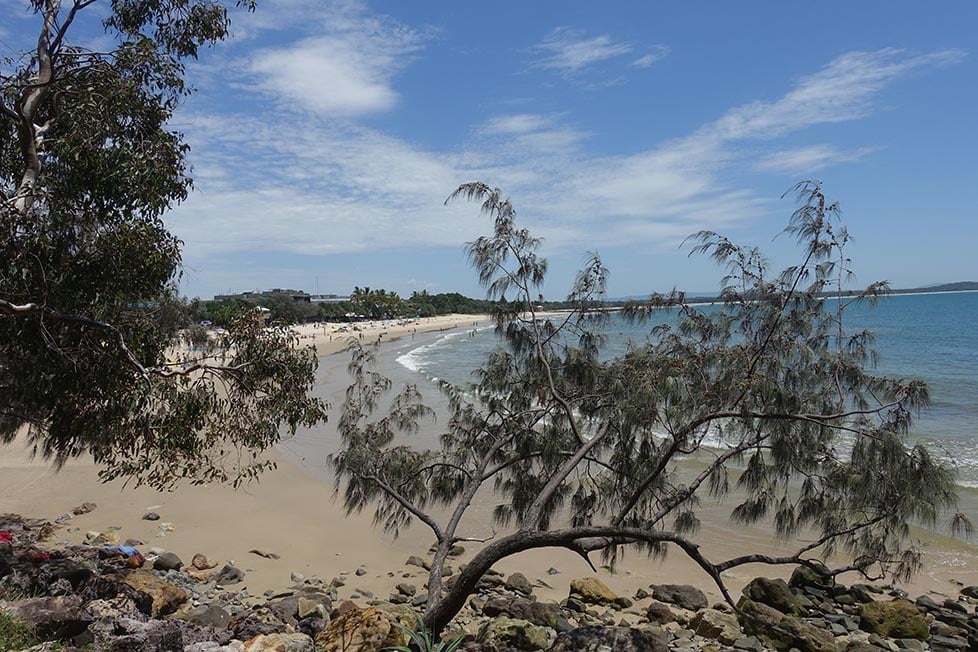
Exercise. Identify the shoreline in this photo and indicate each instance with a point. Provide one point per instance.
(330, 338)
(291, 511)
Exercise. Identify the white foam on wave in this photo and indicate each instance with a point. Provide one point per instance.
(414, 359)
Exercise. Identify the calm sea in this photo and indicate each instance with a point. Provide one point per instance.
(929, 336)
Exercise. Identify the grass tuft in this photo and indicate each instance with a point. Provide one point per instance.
(15, 634)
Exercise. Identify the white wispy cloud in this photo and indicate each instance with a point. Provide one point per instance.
(843, 90)
(345, 70)
(342, 187)
(803, 160)
(569, 50)
(658, 53)
(517, 123)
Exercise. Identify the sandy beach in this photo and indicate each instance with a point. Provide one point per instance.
(292, 513)
(332, 337)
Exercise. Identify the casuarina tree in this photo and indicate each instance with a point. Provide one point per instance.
(767, 391)
(88, 168)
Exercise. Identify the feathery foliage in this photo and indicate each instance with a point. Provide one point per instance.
(773, 397)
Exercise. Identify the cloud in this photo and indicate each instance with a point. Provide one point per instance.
(803, 160)
(658, 53)
(843, 90)
(569, 51)
(343, 187)
(519, 123)
(345, 70)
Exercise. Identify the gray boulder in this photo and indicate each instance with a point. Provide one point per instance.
(537, 613)
(807, 576)
(168, 561)
(774, 593)
(512, 633)
(717, 625)
(211, 615)
(781, 631)
(229, 575)
(601, 639)
(659, 613)
(518, 583)
(59, 617)
(682, 595)
(110, 588)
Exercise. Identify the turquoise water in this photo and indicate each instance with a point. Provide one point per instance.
(933, 337)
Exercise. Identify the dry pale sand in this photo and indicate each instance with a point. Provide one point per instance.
(331, 337)
(296, 516)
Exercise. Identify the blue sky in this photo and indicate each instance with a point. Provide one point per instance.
(326, 136)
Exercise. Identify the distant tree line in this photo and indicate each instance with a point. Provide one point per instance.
(366, 303)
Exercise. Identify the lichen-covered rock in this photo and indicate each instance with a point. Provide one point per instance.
(682, 595)
(280, 643)
(512, 633)
(602, 639)
(112, 588)
(539, 613)
(76, 571)
(166, 597)
(782, 631)
(361, 630)
(716, 625)
(211, 615)
(132, 635)
(774, 593)
(257, 622)
(895, 619)
(592, 591)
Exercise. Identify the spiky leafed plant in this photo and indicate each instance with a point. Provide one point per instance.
(584, 451)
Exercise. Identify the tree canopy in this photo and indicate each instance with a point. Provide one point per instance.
(88, 168)
(769, 392)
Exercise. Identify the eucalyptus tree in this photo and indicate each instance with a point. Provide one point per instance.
(769, 391)
(88, 168)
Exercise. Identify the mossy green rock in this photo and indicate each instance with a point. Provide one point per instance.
(895, 619)
(512, 633)
(804, 576)
(774, 593)
(592, 590)
(781, 631)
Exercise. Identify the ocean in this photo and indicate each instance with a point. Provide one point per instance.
(933, 337)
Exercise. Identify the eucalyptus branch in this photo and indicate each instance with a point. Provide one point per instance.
(8, 309)
(76, 6)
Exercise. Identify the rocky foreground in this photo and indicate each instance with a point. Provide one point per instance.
(110, 596)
